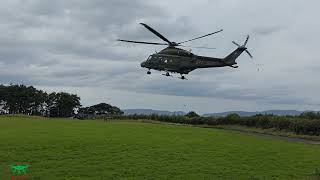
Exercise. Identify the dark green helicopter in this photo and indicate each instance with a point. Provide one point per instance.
(176, 60)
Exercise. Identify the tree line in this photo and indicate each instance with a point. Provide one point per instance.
(21, 99)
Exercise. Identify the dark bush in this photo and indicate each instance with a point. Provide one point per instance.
(310, 115)
(192, 114)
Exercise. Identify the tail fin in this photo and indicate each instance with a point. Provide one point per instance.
(231, 58)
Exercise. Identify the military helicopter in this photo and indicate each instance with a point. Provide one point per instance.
(176, 60)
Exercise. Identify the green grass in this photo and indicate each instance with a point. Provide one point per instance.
(73, 149)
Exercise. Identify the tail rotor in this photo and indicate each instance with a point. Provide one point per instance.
(245, 49)
(244, 46)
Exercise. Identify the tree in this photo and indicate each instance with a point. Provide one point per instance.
(192, 114)
(21, 99)
(233, 116)
(28, 100)
(86, 110)
(39, 106)
(98, 109)
(104, 108)
(62, 104)
(3, 102)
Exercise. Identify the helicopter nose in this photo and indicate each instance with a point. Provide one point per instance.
(143, 64)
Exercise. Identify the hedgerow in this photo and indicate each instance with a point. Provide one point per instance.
(296, 124)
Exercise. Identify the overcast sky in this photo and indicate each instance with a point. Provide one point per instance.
(69, 45)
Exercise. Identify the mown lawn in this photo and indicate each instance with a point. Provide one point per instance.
(74, 149)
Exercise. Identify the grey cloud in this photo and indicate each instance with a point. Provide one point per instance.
(72, 44)
(267, 30)
(193, 88)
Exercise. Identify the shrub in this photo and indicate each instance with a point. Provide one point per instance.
(192, 114)
(310, 115)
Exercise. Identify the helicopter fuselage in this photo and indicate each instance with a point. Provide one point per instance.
(178, 60)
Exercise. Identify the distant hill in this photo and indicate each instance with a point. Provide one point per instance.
(151, 111)
(245, 113)
(221, 114)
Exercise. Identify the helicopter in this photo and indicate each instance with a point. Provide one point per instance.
(176, 60)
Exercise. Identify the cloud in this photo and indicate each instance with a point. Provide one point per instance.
(265, 30)
(71, 45)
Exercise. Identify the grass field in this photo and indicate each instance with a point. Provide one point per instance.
(73, 149)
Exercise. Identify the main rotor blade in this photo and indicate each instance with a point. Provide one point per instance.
(141, 42)
(248, 53)
(236, 43)
(198, 47)
(201, 36)
(156, 33)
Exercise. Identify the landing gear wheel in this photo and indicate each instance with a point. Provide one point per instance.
(167, 74)
(183, 77)
(149, 72)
